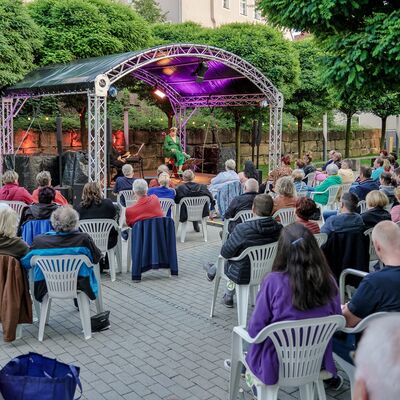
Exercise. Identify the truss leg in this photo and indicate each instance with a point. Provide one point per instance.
(275, 137)
(97, 115)
(7, 129)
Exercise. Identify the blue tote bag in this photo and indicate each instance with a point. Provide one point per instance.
(33, 377)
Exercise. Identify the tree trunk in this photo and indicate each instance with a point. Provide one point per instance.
(84, 133)
(383, 133)
(348, 135)
(299, 132)
(237, 138)
(170, 120)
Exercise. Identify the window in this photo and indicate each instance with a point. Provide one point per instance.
(243, 7)
(225, 4)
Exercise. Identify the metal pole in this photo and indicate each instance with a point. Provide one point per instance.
(126, 129)
(325, 134)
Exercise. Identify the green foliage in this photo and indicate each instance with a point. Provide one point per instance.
(187, 32)
(149, 10)
(87, 28)
(20, 39)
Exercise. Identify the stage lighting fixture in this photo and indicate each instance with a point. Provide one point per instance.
(159, 93)
(201, 71)
(113, 91)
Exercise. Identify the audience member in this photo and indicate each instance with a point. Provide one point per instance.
(395, 211)
(348, 220)
(378, 169)
(10, 244)
(386, 185)
(331, 159)
(298, 176)
(337, 159)
(255, 232)
(383, 153)
(345, 172)
(393, 160)
(300, 286)
(283, 170)
(65, 240)
(332, 179)
(11, 191)
(249, 172)
(191, 189)
(43, 179)
(286, 194)
(387, 167)
(364, 184)
(124, 182)
(145, 207)
(305, 210)
(163, 191)
(227, 176)
(376, 203)
(161, 169)
(377, 359)
(308, 168)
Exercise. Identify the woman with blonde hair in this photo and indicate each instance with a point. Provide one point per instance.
(286, 194)
(163, 191)
(345, 172)
(376, 203)
(10, 244)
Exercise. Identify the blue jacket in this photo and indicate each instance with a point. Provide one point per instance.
(361, 189)
(346, 222)
(163, 193)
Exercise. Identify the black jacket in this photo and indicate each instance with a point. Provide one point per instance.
(374, 215)
(255, 232)
(191, 189)
(239, 203)
(36, 212)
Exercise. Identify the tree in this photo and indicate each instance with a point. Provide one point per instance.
(312, 96)
(187, 32)
(149, 10)
(20, 39)
(361, 37)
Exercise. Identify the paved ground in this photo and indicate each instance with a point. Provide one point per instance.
(162, 343)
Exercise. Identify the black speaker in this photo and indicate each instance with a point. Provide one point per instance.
(254, 133)
(258, 135)
(59, 145)
(77, 190)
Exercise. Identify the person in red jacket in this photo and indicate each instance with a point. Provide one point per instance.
(11, 191)
(43, 179)
(145, 207)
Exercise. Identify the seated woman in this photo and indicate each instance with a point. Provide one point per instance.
(286, 194)
(376, 203)
(308, 167)
(10, 244)
(283, 170)
(248, 172)
(385, 186)
(298, 176)
(43, 179)
(161, 168)
(395, 211)
(163, 191)
(173, 149)
(332, 179)
(346, 173)
(300, 286)
(305, 209)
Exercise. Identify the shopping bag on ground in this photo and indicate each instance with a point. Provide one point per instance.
(33, 377)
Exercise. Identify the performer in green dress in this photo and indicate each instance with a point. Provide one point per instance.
(173, 149)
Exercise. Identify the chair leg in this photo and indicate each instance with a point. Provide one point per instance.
(111, 263)
(99, 298)
(129, 253)
(43, 316)
(236, 366)
(307, 392)
(118, 249)
(319, 385)
(204, 226)
(217, 280)
(269, 392)
(18, 333)
(183, 231)
(242, 298)
(84, 312)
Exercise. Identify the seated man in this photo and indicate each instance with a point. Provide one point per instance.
(124, 182)
(364, 184)
(11, 190)
(378, 291)
(43, 179)
(386, 186)
(378, 169)
(227, 176)
(191, 189)
(242, 202)
(256, 232)
(145, 207)
(65, 239)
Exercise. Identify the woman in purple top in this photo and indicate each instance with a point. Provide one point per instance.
(300, 286)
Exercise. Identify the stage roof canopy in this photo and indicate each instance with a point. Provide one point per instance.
(191, 76)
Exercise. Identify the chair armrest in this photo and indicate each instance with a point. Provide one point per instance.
(364, 322)
(242, 332)
(342, 279)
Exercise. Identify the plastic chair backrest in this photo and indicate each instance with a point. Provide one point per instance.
(99, 230)
(310, 178)
(61, 273)
(321, 238)
(128, 196)
(372, 253)
(17, 206)
(346, 187)
(166, 205)
(332, 193)
(195, 206)
(243, 215)
(362, 204)
(300, 347)
(286, 215)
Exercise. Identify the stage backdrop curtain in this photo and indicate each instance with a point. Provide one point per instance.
(153, 246)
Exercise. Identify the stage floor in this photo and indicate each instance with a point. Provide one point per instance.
(205, 179)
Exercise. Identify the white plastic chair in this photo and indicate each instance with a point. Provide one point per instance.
(300, 347)
(194, 207)
(398, 223)
(310, 179)
(61, 275)
(99, 230)
(166, 205)
(286, 216)
(261, 260)
(321, 238)
(373, 257)
(243, 215)
(129, 197)
(362, 204)
(17, 206)
(332, 195)
(345, 187)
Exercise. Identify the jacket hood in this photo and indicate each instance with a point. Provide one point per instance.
(42, 211)
(264, 226)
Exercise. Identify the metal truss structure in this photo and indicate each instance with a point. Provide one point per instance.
(184, 106)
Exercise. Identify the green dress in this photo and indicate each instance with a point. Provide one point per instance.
(178, 154)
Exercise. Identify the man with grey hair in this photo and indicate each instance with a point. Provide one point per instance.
(145, 207)
(64, 240)
(11, 190)
(378, 361)
(43, 179)
(124, 182)
(227, 176)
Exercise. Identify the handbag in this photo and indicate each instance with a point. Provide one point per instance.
(33, 376)
(100, 322)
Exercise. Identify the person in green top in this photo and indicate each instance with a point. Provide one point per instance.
(173, 149)
(332, 179)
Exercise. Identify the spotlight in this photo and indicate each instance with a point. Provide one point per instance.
(159, 93)
(201, 71)
(113, 91)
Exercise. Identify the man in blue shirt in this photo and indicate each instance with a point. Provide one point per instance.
(378, 169)
(364, 184)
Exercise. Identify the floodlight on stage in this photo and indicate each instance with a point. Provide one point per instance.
(201, 71)
(113, 91)
(159, 93)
